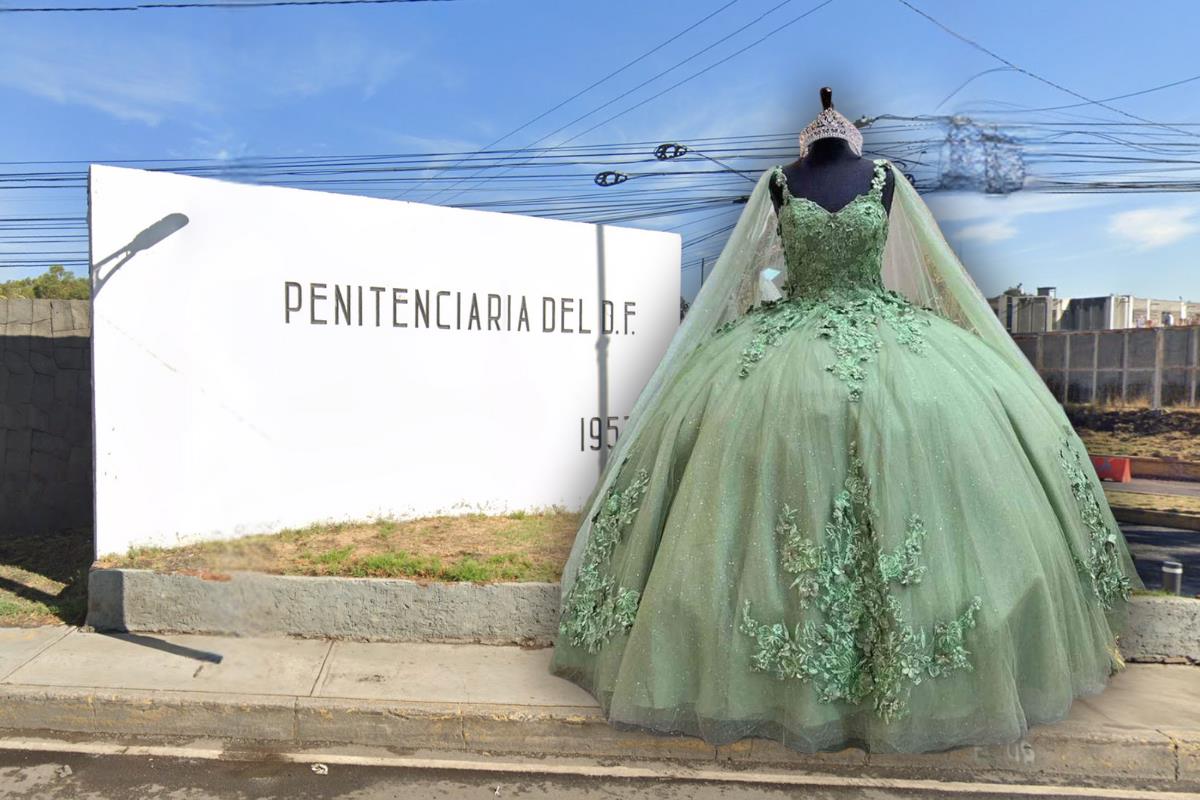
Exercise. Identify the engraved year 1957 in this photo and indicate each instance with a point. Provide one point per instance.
(598, 432)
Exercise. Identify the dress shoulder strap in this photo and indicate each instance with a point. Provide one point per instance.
(781, 178)
(880, 176)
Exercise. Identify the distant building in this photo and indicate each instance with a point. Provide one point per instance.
(1045, 311)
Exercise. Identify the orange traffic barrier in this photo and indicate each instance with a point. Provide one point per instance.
(1113, 468)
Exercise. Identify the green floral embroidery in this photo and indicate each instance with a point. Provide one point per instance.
(596, 607)
(827, 250)
(834, 262)
(798, 555)
(725, 327)
(771, 321)
(852, 327)
(848, 318)
(1102, 568)
(901, 567)
(860, 648)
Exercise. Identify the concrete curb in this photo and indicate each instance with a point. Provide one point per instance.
(1168, 759)
(1163, 518)
(369, 609)
(1162, 629)
(392, 610)
(1166, 519)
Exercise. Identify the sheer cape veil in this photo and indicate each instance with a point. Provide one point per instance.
(918, 263)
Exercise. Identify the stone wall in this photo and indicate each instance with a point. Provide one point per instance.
(45, 416)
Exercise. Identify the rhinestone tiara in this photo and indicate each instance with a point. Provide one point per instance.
(831, 123)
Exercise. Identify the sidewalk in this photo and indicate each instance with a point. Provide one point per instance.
(457, 699)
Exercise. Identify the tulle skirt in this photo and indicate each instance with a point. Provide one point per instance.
(835, 533)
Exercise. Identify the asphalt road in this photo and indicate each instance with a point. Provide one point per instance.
(1147, 486)
(67, 776)
(1151, 545)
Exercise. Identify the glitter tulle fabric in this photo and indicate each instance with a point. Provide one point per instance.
(848, 522)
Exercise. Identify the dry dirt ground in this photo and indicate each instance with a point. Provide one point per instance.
(472, 547)
(1171, 433)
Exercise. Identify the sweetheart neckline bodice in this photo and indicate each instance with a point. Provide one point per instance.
(833, 250)
(873, 189)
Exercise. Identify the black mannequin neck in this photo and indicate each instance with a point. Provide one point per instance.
(831, 175)
(827, 150)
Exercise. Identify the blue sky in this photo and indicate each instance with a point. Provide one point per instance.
(421, 77)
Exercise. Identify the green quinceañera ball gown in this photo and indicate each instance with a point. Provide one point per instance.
(846, 520)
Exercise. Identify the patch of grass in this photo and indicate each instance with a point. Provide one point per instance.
(20, 613)
(333, 558)
(385, 528)
(504, 567)
(145, 555)
(397, 564)
(1155, 593)
(299, 534)
(526, 545)
(43, 578)
(469, 568)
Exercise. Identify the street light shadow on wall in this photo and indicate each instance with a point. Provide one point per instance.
(143, 241)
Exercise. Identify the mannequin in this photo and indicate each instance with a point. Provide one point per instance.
(830, 174)
(786, 542)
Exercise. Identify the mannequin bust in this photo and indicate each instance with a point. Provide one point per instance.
(830, 174)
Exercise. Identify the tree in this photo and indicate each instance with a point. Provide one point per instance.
(53, 284)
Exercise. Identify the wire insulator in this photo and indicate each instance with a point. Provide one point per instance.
(669, 150)
(610, 178)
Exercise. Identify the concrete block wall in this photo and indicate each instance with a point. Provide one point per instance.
(45, 416)
(1158, 366)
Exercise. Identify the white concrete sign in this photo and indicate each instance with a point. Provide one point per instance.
(267, 358)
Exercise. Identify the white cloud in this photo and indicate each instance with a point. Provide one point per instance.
(138, 86)
(213, 139)
(1154, 227)
(994, 218)
(965, 206)
(329, 62)
(994, 231)
(153, 77)
(427, 144)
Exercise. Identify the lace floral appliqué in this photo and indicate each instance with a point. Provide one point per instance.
(860, 647)
(848, 319)
(596, 607)
(834, 260)
(1102, 568)
(852, 328)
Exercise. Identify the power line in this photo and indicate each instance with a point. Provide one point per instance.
(695, 192)
(1138, 93)
(190, 5)
(591, 86)
(1035, 76)
(674, 86)
(963, 85)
